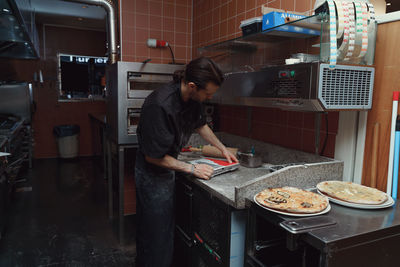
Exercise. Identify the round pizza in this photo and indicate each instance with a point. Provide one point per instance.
(292, 199)
(351, 192)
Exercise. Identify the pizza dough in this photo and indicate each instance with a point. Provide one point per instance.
(291, 199)
(351, 192)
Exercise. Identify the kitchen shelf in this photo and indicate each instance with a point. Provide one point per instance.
(271, 47)
(252, 42)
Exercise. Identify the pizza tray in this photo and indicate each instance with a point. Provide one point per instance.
(326, 210)
(388, 203)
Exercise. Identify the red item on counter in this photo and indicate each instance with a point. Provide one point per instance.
(186, 149)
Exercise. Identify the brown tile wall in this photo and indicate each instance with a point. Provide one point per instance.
(216, 21)
(169, 20)
(290, 129)
(50, 112)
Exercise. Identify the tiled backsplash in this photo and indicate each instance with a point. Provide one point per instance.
(290, 129)
(169, 20)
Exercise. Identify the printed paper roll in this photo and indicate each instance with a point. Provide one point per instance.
(352, 31)
(332, 34)
(348, 32)
(364, 42)
(359, 29)
(345, 42)
(340, 19)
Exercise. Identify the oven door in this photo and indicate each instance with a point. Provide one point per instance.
(183, 222)
(133, 120)
(140, 85)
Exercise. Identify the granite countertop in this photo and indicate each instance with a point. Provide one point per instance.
(234, 187)
(223, 186)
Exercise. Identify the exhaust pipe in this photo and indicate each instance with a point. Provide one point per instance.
(111, 22)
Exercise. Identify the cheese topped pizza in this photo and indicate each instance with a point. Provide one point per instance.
(351, 192)
(292, 199)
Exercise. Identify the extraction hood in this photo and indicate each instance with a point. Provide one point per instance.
(302, 87)
(18, 34)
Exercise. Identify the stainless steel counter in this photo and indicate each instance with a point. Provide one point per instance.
(359, 237)
(357, 226)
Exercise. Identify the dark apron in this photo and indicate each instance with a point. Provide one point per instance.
(155, 192)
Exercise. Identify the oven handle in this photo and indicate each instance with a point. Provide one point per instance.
(259, 245)
(188, 241)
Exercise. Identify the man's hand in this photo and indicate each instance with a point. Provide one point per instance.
(203, 171)
(228, 155)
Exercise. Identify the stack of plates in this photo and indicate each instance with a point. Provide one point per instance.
(354, 195)
(388, 203)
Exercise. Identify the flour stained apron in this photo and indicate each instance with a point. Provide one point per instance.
(155, 215)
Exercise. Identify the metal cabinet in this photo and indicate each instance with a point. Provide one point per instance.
(208, 232)
(358, 238)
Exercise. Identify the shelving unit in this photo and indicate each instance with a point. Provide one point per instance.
(271, 47)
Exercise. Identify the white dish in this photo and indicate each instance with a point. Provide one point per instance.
(388, 203)
(326, 210)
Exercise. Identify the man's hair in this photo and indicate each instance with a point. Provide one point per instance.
(200, 71)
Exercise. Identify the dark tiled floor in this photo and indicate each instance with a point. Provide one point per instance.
(63, 221)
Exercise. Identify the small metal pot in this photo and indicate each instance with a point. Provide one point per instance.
(249, 160)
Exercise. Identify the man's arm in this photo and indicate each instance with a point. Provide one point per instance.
(210, 137)
(202, 171)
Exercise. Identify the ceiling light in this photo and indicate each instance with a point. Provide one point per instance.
(388, 4)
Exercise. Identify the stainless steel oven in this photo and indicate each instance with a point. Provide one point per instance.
(133, 119)
(140, 85)
(128, 84)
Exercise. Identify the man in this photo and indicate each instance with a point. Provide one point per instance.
(169, 116)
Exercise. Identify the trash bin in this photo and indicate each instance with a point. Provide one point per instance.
(67, 140)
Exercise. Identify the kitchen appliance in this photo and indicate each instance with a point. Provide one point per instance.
(16, 106)
(16, 99)
(128, 84)
(342, 237)
(18, 34)
(14, 130)
(310, 86)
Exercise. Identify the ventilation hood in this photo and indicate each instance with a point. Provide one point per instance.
(18, 35)
(302, 87)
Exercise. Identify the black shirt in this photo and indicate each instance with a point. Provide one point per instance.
(167, 122)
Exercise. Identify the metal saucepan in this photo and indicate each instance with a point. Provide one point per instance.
(249, 160)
